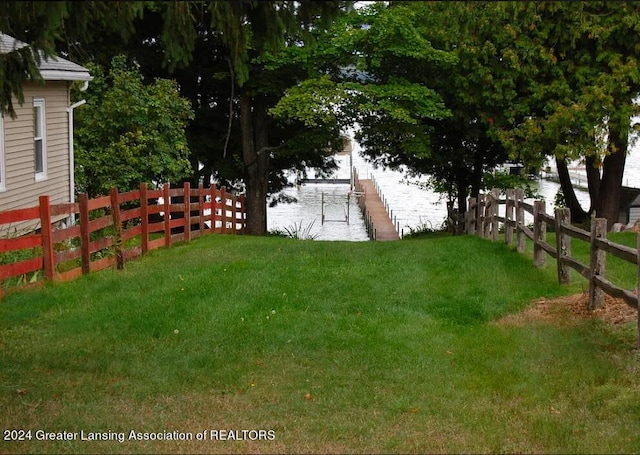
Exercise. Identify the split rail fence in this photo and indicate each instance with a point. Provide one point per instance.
(483, 219)
(111, 230)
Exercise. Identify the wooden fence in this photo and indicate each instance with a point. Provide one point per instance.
(111, 230)
(483, 219)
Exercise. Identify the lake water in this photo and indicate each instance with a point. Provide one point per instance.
(412, 207)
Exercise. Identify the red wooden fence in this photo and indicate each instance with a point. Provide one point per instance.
(111, 230)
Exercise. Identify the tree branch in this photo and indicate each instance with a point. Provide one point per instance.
(261, 151)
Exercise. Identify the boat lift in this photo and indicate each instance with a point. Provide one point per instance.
(335, 199)
(343, 200)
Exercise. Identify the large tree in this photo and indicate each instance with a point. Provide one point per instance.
(244, 33)
(392, 85)
(579, 61)
(372, 62)
(476, 87)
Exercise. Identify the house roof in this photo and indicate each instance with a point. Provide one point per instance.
(635, 202)
(10, 44)
(51, 68)
(630, 197)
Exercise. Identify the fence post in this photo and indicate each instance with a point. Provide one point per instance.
(144, 217)
(508, 217)
(598, 262)
(186, 191)
(201, 207)
(480, 217)
(243, 215)
(223, 201)
(522, 243)
(486, 219)
(475, 214)
(115, 214)
(84, 233)
(563, 245)
(234, 211)
(485, 222)
(470, 223)
(212, 196)
(167, 215)
(539, 234)
(495, 211)
(47, 236)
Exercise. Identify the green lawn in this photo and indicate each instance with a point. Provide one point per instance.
(315, 347)
(618, 271)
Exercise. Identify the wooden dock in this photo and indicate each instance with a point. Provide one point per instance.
(377, 219)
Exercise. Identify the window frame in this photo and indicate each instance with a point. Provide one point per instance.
(39, 120)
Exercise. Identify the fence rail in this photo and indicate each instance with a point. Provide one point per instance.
(483, 219)
(111, 230)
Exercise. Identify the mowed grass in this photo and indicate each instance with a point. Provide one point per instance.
(620, 272)
(334, 347)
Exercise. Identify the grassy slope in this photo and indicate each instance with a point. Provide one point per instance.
(338, 347)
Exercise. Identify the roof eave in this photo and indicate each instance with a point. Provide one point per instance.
(61, 75)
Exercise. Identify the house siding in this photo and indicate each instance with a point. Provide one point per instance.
(22, 190)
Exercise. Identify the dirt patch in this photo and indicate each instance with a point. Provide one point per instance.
(569, 310)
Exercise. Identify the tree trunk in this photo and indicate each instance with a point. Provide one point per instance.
(462, 208)
(608, 202)
(593, 180)
(261, 136)
(463, 193)
(256, 163)
(462, 196)
(477, 172)
(578, 215)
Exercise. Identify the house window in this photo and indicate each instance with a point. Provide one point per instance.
(3, 184)
(39, 139)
